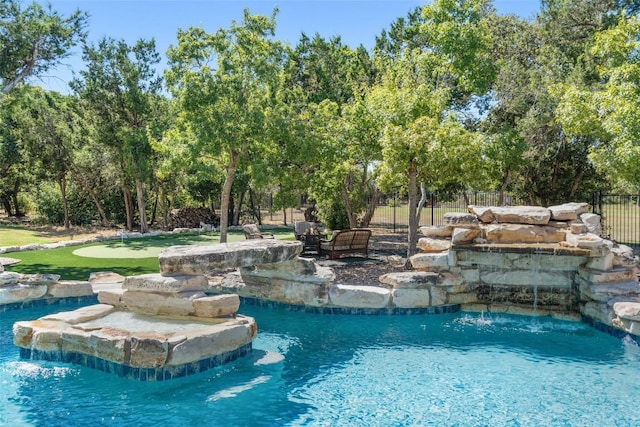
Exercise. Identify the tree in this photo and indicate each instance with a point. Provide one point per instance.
(225, 83)
(535, 154)
(608, 112)
(121, 87)
(47, 126)
(334, 144)
(424, 143)
(34, 40)
(13, 156)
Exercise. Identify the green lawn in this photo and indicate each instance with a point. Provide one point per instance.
(16, 235)
(63, 262)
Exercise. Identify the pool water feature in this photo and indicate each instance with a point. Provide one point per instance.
(318, 369)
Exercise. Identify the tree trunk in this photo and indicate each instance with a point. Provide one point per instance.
(237, 213)
(413, 209)
(226, 195)
(14, 195)
(142, 209)
(128, 207)
(154, 208)
(62, 183)
(353, 223)
(506, 180)
(371, 209)
(6, 203)
(82, 180)
(576, 184)
(164, 207)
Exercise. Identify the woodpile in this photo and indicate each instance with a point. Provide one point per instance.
(190, 217)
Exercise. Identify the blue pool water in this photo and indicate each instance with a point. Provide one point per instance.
(340, 370)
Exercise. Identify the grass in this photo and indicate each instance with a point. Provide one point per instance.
(15, 235)
(68, 266)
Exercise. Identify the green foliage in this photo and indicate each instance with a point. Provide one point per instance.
(47, 204)
(225, 84)
(34, 40)
(608, 112)
(333, 214)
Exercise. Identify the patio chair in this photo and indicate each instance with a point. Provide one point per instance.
(251, 231)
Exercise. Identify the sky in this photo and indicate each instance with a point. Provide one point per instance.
(355, 21)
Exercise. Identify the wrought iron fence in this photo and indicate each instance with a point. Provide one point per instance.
(620, 217)
(393, 212)
(620, 213)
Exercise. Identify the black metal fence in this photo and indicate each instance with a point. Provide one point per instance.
(620, 217)
(620, 213)
(393, 211)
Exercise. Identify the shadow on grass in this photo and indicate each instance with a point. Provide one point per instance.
(68, 266)
(83, 272)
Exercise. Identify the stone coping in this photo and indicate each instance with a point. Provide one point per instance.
(523, 248)
(137, 373)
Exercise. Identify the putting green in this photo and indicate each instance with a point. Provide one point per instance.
(133, 248)
(119, 251)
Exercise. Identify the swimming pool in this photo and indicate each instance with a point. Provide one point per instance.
(339, 370)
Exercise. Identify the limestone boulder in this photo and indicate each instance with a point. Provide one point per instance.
(149, 350)
(217, 305)
(593, 223)
(81, 315)
(459, 219)
(411, 298)
(427, 244)
(204, 259)
(216, 340)
(602, 263)
(484, 213)
(578, 228)
(359, 296)
(105, 277)
(599, 311)
(38, 279)
(156, 303)
(295, 270)
(585, 241)
(436, 231)
(438, 296)
(112, 297)
(534, 215)
(523, 233)
(69, 289)
(170, 284)
(464, 235)
(607, 291)
(8, 278)
(607, 276)
(623, 256)
(430, 261)
(527, 278)
(410, 279)
(629, 310)
(568, 211)
(17, 292)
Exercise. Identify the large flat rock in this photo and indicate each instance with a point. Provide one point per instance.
(120, 338)
(204, 259)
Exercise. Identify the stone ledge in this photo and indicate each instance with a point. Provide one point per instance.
(137, 373)
(203, 259)
(135, 341)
